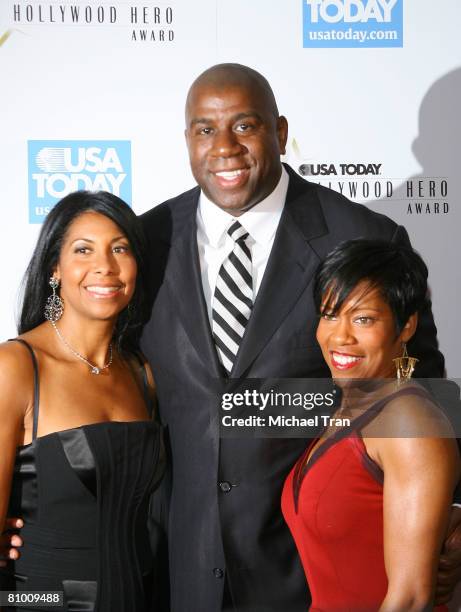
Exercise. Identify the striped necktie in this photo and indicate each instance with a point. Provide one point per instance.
(233, 298)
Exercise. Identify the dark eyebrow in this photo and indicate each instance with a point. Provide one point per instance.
(238, 117)
(364, 307)
(199, 120)
(122, 236)
(250, 115)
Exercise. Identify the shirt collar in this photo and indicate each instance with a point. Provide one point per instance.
(261, 221)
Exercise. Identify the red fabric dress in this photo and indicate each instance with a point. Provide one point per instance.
(334, 508)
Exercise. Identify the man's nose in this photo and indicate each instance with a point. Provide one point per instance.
(226, 144)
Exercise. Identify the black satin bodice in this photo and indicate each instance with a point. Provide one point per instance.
(84, 494)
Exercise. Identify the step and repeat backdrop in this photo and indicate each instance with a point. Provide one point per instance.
(93, 91)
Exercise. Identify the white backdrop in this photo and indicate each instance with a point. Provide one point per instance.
(81, 71)
(69, 74)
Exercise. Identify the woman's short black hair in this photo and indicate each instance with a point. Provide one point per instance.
(397, 271)
(36, 287)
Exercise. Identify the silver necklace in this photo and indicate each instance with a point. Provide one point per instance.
(93, 368)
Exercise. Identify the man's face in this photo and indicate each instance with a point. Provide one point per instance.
(234, 143)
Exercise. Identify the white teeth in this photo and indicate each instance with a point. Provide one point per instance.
(102, 290)
(229, 175)
(344, 359)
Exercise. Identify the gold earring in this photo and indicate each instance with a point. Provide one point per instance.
(405, 365)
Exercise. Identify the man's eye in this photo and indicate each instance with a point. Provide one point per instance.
(243, 127)
(205, 131)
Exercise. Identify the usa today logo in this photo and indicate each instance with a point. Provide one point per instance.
(57, 167)
(352, 23)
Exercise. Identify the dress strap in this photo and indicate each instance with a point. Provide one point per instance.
(36, 384)
(370, 413)
(145, 385)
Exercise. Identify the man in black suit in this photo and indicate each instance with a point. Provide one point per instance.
(229, 548)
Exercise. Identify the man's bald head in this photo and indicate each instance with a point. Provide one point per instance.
(235, 136)
(223, 76)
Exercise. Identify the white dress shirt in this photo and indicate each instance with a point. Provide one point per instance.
(214, 243)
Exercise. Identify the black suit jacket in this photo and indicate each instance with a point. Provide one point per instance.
(240, 534)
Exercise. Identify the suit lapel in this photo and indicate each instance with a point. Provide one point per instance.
(291, 264)
(186, 283)
(290, 267)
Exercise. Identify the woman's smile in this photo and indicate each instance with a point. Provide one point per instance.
(360, 340)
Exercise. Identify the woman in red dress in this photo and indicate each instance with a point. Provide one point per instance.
(368, 504)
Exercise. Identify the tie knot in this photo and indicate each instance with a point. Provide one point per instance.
(237, 232)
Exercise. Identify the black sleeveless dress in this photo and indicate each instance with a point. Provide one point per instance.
(84, 495)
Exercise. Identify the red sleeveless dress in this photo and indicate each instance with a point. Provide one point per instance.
(334, 509)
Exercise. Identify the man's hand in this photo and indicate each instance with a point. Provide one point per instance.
(449, 572)
(9, 542)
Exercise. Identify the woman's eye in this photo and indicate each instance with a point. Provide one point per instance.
(82, 250)
(364, 320)
(328, 316)
(121, 248)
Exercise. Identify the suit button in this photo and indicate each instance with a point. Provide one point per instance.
(225, 486)
(218, 572)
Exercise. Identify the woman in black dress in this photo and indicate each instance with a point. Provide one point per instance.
(81, 451)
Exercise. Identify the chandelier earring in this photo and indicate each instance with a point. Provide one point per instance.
(54, 306)
(405, 365)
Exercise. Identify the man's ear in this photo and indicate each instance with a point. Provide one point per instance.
(409, 328)
(282, 133)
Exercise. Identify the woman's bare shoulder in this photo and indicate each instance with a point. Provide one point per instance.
(16, 376)
(411, 412)
(13, 355)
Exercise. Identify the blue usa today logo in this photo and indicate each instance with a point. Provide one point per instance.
(352, 23)
(57, 167)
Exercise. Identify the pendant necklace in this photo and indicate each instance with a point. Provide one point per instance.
(93, 368)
